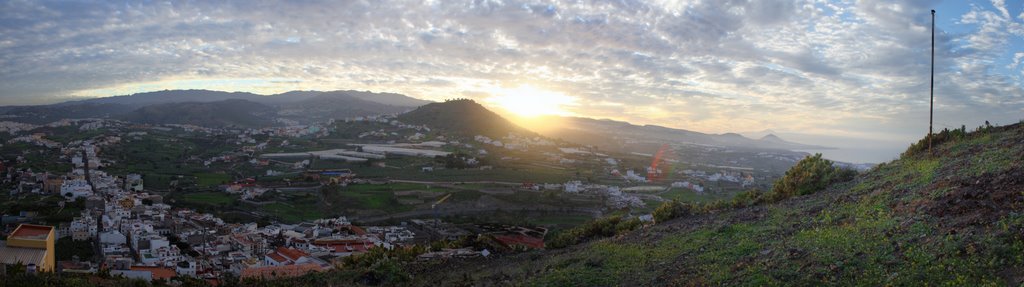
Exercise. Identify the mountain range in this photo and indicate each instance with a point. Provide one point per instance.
(459, 117)
(618, 135)
(219, 109)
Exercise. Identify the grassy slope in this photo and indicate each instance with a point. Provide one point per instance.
(950, 219)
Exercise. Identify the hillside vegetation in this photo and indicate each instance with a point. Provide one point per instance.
(950, 216)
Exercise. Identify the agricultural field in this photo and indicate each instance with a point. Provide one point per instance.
(207, 198)
(212, 179)
(292, 212)
(687, 195)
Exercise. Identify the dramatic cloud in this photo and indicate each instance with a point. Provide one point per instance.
(850, 68)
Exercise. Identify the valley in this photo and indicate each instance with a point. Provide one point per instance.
(465, 182)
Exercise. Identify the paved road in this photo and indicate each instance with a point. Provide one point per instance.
(88, 179)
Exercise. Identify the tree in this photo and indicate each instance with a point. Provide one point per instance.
(671, 209)
(810, 175)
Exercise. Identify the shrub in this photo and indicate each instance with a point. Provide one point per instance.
(672, 209)
(748, 198)
(601, 227)
(938, 138)
(810, 175)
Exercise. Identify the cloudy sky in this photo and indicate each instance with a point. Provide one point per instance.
(843, 68)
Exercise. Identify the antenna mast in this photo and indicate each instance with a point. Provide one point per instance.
(931, 102)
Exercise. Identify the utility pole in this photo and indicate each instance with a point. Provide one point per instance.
(931, 102)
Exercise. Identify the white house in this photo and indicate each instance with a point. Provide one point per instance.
(112, 237)
(133, 182)
(83, 227)
(76, 188)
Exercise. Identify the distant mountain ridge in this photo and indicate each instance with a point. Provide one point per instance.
(302, 106)
(469, 118)
(463, 117)
(181, 96)
(599, 132)
(220, 114)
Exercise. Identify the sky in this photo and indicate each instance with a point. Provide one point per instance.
(845, 69)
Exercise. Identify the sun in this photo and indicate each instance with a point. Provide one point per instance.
(527, 101)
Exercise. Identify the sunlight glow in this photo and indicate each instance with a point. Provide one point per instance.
(527, 101)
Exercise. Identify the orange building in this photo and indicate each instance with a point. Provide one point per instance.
(31, 245)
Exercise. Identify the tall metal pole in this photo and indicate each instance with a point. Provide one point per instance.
(931, 102)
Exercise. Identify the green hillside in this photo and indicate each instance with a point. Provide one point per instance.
(949, 218)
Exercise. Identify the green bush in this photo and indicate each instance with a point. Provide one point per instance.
(810, 175)
(601, 227)
(938, 138)
(672, 209)
(748, 198)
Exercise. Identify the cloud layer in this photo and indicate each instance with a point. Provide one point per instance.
(851, 68)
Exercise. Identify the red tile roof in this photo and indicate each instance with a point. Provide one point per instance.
(242, 239)
(280, 271)
(158, 272)
(351, 247)
(277, 257)
(291, 253)
(357, 230)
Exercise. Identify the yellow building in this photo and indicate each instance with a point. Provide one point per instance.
(31, 245)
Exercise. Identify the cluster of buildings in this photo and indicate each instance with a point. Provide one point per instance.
(15, 127)
(87, 156)
(37, 139)
(514, 142)
(417, 130)
(245, 136)
(390, 120)
(138, 236)
(613, 196)
(632, 176)
(365, 152)
(87, 124)
(743, 178)
(247, 190)
(688, 185)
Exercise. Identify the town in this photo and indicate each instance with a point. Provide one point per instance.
(137, 225)
(172, 202)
